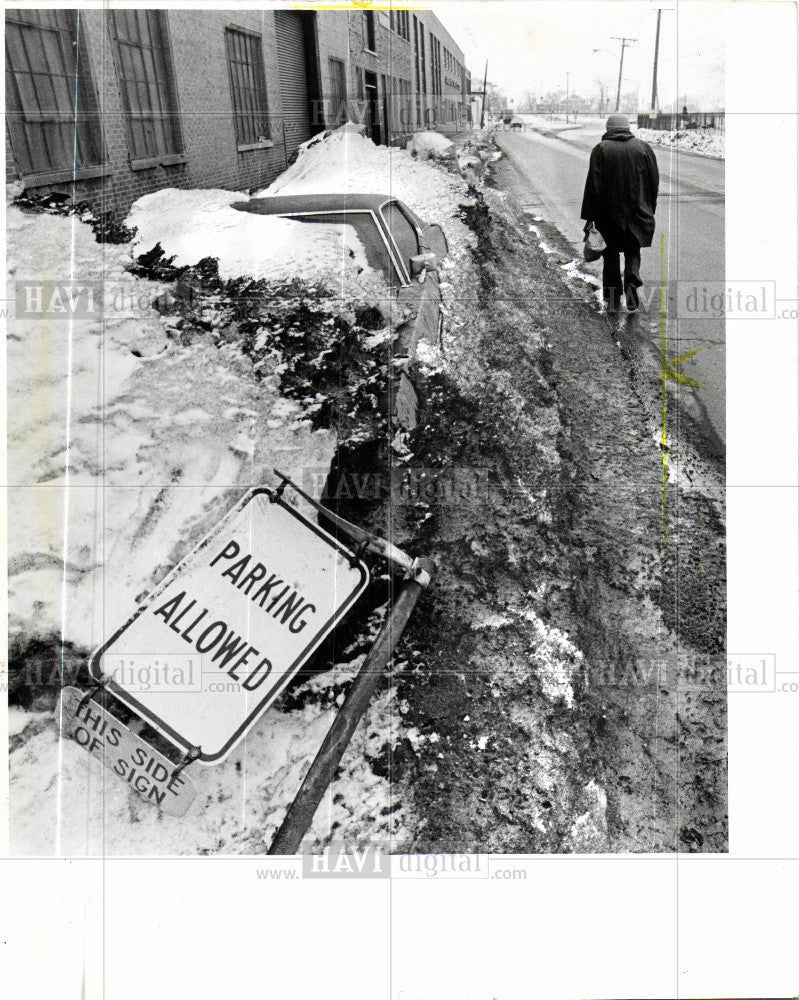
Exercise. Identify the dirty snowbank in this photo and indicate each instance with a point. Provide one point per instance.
(347, 161)
(124, 447)
(83, 809)
(429, 145)
(191, 225)
(138, 440)
(693, 140)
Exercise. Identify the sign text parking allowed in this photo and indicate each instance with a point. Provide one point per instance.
(241, 613)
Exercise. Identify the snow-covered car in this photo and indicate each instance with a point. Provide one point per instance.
(396, 241)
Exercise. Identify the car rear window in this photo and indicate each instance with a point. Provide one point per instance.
(377, 253)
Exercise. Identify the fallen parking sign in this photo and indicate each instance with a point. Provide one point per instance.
(228, 628)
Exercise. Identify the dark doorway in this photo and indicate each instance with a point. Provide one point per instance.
(387, 101)
(296, 63)
(372, 107)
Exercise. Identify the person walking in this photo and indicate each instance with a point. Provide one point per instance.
(620, 197)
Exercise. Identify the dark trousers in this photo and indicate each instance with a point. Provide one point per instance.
(612, 283)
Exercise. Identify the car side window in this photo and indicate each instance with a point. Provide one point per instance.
(402, 232)
(374, 244)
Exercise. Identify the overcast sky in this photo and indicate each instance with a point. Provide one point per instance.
(531, 44)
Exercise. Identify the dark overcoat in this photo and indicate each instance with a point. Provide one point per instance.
(621, 190)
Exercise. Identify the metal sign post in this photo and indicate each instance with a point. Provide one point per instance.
(222, 636)
(417, 576)
(301, 812)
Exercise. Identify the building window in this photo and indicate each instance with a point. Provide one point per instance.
(369, 25)
(248, 86)
(435, 64)
(338, 91)
(421, 70)
(148, 90)
(400, 22)
(51, 109)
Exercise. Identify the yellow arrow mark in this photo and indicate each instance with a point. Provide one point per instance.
(676, 376)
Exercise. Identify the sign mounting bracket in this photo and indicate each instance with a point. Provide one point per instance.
(411, 568)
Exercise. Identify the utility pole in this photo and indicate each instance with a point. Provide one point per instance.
(567, 98)
(485, 98)
(654, 105)
(624, 43)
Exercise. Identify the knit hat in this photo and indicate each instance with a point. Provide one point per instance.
(616, 122)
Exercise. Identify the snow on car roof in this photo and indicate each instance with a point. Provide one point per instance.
(343, 201)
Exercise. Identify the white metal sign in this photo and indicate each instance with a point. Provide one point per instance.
(228, 628)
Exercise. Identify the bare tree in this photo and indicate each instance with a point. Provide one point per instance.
(629, 102)
(527, 104)
(496, 99)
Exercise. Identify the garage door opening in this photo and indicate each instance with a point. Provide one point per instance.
(296, 63)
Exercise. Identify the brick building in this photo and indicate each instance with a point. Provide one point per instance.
(108, 105)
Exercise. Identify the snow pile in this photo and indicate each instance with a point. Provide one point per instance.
(475, 156)
(240, 803)
(127, 444)
(589, 830)
(346, 161)
(695, 140)
(427, 145)
(191, 225)
(554, 658)
(124, 447)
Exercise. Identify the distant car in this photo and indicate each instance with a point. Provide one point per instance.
(517, 123)
(397, 243)
(507, 115)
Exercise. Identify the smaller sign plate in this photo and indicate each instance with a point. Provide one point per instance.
(145, 769)
(222, 635)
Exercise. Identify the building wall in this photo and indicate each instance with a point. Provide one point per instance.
(392, 59)
(122, 185)
(211, 156)
(397, 67)
(205, 106)
(332, 33)
(453, 88)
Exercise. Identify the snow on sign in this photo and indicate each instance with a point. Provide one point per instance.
(227, 629)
